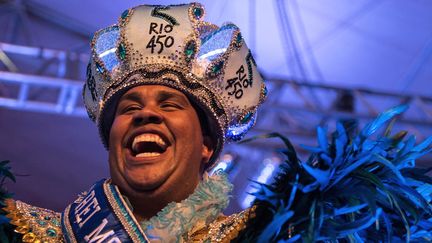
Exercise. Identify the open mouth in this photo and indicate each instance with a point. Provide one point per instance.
(148, 145)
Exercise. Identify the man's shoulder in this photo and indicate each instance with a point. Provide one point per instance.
(34, 223)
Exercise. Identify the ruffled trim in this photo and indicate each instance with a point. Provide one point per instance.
(202, 207)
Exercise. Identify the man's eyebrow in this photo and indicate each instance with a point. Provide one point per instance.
(166, 95)
(133, 96)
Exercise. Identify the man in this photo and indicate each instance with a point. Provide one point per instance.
(166, 90)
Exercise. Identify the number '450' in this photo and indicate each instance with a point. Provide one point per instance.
(161, 41)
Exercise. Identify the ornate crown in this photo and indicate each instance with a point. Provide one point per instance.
(173, 46)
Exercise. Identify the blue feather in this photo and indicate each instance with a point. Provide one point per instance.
(424, 145)
(355, 226)
(321, 176)
(350, 168)
(349, 209)
(322, 138)
(293, 191)
(311, 148)
(381, 119)
(279, 219)
(389, 165)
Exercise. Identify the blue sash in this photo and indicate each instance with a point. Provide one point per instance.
(101, 215)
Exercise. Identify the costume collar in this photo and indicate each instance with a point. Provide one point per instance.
(203, 206)
(102, 214)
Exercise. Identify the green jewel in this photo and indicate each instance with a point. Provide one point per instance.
(41, 222)
(217, 67)
(265, 91)
(125, 14)
(238, 38)
(197, 12)
(51, 232)
(47, 217)
(190, 49)
(247, 117)
(122, 51)
(55, 222)
(99, 68)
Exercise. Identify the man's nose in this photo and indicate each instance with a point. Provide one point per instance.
(147, 114)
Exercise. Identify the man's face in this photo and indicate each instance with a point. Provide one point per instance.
(156, 145)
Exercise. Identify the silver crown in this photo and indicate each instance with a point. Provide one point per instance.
(173, 46)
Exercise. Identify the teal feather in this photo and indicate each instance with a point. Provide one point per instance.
(354, 186)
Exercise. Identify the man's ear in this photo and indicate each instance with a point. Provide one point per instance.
(207, 150)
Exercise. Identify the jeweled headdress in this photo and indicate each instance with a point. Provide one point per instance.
(173, 46)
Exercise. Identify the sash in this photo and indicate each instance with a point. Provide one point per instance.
(101, 215)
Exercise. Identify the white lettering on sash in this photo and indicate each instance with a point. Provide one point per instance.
(87, 208)
(98, 237)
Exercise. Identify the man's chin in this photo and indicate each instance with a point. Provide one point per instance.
(144, 185)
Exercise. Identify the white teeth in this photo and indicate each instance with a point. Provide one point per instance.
(141, 155)
(148, 137)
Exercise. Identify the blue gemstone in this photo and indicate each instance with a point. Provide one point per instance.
(99, 68)
(55, 222)
(265, 91)
(125, 14)
(247, 117)
(51, 232)
(42, 222)
(197, 12)
(239, 38)
(217, 67)
(34, 214)
(122, 51)
(190, 49)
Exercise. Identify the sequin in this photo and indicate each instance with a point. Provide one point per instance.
(105, 48)
(216, 44)
(237, 132)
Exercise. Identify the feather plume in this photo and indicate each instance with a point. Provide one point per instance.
(357, 187)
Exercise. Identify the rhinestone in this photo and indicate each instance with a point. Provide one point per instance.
(51, 232)
(55, 222)
(47, 217)
(247, 117)
(217, 67)
(122, 51)
(42, 222)
(197, 12)
(125, 14)
(190, 49)
(34, 214)
(239, 38)
(265, 91)
(99, 68)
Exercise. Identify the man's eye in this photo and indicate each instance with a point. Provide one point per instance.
(170, 105)
(131, 108)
